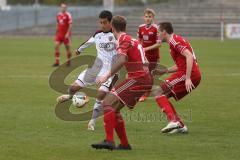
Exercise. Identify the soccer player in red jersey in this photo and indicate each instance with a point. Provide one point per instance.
(148, 37)
(186, 76)
(63, 33)
(130, 54)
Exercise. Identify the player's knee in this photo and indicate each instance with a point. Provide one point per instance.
(73, 88)
(106, 106)
(119, 117)
(67, 47)
(108, 101)
(101, 95)
(112, 102)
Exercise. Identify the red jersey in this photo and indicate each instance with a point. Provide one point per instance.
(63, 22)
(136, 64)
(177, 46)
(149, 36)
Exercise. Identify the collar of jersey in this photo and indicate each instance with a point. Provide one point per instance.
(108, 31)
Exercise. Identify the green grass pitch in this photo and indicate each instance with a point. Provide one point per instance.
(30, 130)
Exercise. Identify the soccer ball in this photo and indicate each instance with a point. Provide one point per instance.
(79, 99)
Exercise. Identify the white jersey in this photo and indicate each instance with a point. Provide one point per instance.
(106, 48)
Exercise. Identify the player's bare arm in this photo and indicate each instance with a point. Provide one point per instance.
(121, 60)
(85, 45)
(189, 61)
(172, 69)
(155, 46)
(69, 30)
(165, 70)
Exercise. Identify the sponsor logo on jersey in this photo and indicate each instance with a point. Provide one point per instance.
(110, 46)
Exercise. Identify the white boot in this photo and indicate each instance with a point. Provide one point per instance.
(91, 125)
(171, 126)
(63, 98)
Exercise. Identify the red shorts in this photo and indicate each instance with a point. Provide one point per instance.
(130, 90)
(174, 85)
(62, 39)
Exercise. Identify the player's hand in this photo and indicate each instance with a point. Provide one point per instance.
(145, 49)
(66, 35)
(189, 85)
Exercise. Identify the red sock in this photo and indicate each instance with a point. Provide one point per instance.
(109, 122)
(168, 108)
(57, 54)
(120, 129)
(68, 57)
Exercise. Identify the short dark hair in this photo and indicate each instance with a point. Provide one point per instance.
(106, 14)
(119, 23)
(167, 26)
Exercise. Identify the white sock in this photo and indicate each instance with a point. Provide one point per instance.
(96, 110)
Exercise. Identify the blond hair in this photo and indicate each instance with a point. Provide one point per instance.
(149, 11)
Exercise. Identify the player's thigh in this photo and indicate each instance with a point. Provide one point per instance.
(85, 79)
(113, 101)
(108, 85)
(130, 90)
(166, 87)
(174, 85)
(179, 90)
(101, 94)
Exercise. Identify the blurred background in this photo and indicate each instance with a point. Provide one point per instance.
(191, 18)
(30, 129)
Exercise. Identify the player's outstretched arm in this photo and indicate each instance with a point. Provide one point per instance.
(154, 46)
(172, 69)
(85, 45)
(161, 71)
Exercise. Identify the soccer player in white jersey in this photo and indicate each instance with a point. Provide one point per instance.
(106, 52)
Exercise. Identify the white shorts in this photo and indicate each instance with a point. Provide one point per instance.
(88, 78)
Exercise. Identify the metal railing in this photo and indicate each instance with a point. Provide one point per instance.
(20, 17)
